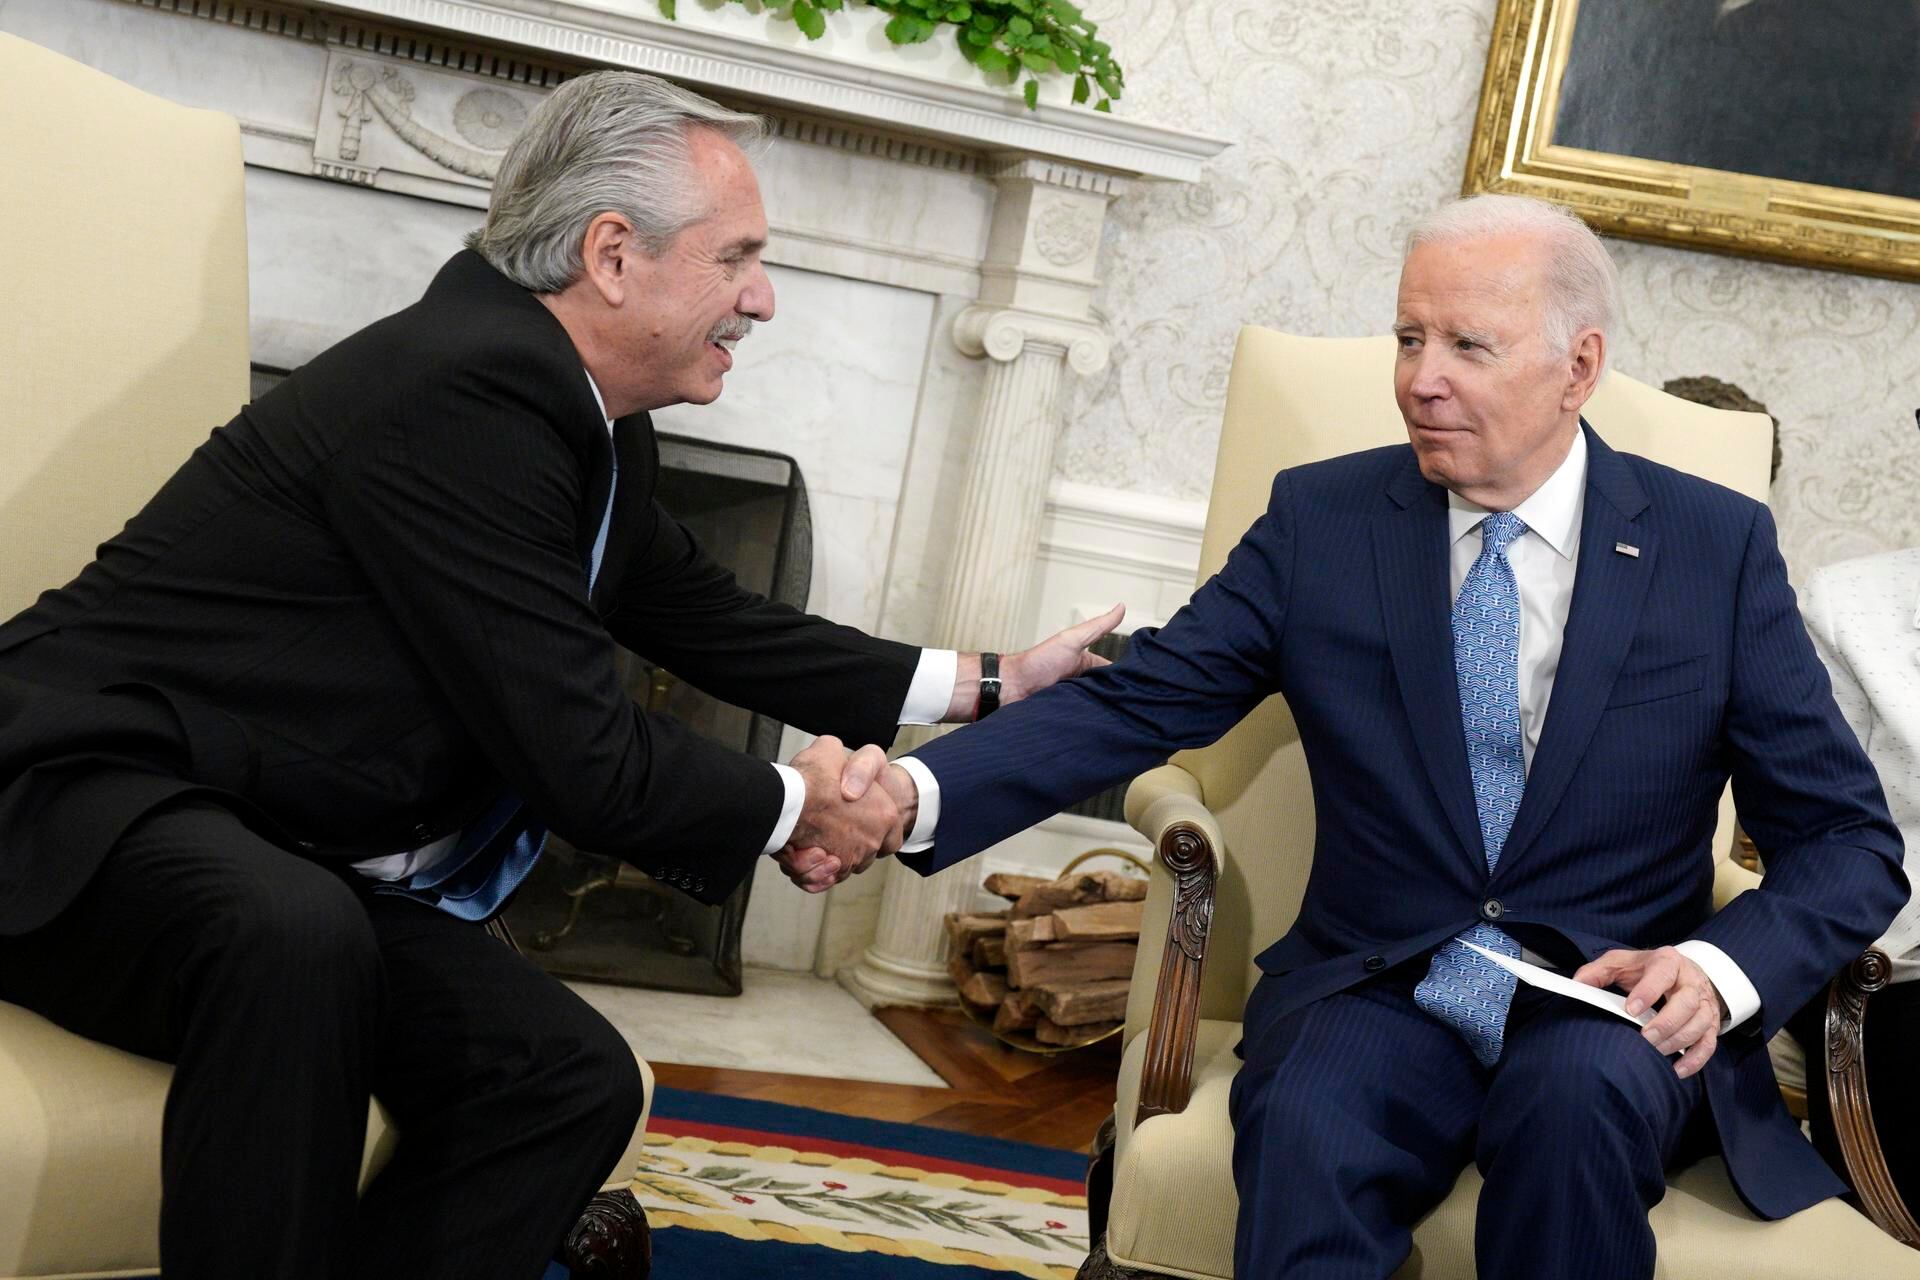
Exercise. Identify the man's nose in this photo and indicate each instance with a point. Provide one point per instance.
(756, 300)
(1429, 380)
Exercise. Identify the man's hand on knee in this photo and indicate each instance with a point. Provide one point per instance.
(1689, 1019)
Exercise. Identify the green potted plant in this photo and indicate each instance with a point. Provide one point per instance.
(1020, 40)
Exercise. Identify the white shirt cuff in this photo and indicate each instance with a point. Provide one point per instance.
(927, 818)
(931, 692)
(789, 810)
(1737, 995)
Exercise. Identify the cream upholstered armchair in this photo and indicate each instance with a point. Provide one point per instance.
(1233, 826)
(123, 342)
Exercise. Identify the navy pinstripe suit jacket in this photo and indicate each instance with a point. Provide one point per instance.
(1681, 666)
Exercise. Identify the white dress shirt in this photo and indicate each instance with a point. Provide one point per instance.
(928, 696)
(1864, 616)
(1544, 561)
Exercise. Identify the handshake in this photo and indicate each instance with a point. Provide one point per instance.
(858, 808)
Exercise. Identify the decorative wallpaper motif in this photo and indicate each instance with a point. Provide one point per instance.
(1350, 119)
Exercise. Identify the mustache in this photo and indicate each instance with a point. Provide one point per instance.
(731, 329)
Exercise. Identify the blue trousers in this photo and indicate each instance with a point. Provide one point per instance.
(1354, 1116)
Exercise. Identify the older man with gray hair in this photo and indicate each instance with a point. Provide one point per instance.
(1523, 667)
(271, 759)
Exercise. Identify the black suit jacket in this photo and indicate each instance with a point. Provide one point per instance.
(361, 608)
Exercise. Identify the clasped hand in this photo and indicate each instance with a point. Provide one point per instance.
(846, 821)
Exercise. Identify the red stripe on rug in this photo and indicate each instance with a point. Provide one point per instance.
(675, 1128)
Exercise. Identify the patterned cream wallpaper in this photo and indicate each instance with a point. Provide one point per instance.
(1350, 118)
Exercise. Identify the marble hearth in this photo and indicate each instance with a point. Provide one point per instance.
(934, 254)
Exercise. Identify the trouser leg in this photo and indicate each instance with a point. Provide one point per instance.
(512, 1096)
(256, 973)
(1580, 1123)
(1352, 1117)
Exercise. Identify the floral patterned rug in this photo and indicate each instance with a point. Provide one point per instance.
(747, 1189)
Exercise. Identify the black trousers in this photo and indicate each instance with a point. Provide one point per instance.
(285, 992)
(1892, 1034)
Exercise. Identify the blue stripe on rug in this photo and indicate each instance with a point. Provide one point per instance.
(679, 1254)
(807, 1122)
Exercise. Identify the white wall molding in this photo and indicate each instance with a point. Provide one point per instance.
(1098, 546)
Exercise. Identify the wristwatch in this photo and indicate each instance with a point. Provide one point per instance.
(989, 686)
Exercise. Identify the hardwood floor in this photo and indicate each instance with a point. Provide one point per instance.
(1055, 1100)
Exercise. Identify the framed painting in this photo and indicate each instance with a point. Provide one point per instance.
(1780, 129)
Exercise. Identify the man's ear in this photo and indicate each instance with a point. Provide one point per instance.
(1588, 360)
(604, 255)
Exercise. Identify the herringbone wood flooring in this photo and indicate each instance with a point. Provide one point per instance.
(1054, 1100)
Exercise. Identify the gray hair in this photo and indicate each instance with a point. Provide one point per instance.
(609, 142)
(1583, 287)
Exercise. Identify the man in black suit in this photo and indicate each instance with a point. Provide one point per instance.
(267, 762)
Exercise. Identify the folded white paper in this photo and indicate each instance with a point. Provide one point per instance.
(1547, 980)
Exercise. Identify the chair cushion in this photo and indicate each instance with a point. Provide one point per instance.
(80, 1144)
(1173, 1203)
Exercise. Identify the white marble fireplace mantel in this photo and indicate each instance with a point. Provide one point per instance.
(934, 250)
(852, 72)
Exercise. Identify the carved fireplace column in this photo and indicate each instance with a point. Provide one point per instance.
(1031, 322)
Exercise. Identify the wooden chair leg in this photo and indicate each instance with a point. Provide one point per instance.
(1852, 1109)
(611, 1241)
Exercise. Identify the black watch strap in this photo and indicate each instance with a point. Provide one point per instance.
(989, 686)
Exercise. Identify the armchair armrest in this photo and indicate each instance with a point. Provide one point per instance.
(1164, 806)
(1846, 1063)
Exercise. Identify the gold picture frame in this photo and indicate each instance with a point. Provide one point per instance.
(1662, 200)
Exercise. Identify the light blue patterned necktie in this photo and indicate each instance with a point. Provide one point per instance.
(468, 883)
(1462, 988)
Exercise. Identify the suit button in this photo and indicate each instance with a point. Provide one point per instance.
(1374, 964)
(697, 886)
(422, 832)
(1491, 909)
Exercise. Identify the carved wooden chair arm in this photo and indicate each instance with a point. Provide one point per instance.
(1164, 805)
(1847, 1089)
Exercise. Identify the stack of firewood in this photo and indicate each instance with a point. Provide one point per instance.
(1054, 965)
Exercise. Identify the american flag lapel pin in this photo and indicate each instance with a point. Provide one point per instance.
(1627, 549)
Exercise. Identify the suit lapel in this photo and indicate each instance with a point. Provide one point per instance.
(1609, 588)
(1410, 560)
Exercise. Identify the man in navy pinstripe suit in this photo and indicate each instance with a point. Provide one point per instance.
(1523, 667)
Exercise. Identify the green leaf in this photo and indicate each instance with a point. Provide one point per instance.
(1080, 90)
(1065, 11)
(829, 6)
(808, 19)
(1066, 59)
(908, 28)
(666, 10)
(1108, 81)
(1105, 104)
(960, 13)
(1019, 26)
(979, 39)
(1099, 48)
(1035, 63)
(985, 22)
(991, 59)
(1032, 91)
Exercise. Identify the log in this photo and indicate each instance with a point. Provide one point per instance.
(960, 968)
(963, 928)
(1059, 963)
(1047, 1031)
(1078, 1005)
(1077, 890)
(990, 952)
(1018, 1012)
(1098, 922)
(1005, 884)
(984, 991)
(1031, 933)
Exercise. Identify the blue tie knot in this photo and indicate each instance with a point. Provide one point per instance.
(1499, 530)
